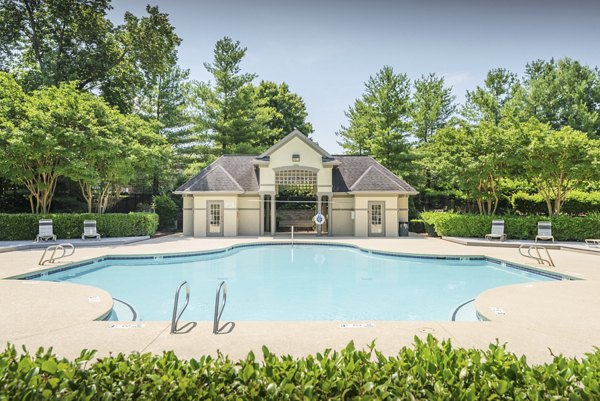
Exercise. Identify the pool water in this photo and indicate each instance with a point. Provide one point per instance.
(303, 282)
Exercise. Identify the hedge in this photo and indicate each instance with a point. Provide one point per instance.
(577, 202)
(432, 370)
(25, 226)
(564, 228)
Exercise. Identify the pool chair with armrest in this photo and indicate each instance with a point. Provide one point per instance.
(89, 230)
(593, 242)
(497, 231)
(544, 231)
(45, 231)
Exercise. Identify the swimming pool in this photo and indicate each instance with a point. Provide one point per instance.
(301, 282)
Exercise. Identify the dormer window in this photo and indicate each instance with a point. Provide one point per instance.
(295, 157)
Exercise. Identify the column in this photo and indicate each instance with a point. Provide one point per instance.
(330, 215)
(261, 215)
(273, 222)
(319, 212)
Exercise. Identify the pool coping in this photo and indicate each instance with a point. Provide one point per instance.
(160, 256)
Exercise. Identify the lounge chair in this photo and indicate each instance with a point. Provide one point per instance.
(544, 231)
(45, 231)
(593, 242)
(497, 231)
(89, 230)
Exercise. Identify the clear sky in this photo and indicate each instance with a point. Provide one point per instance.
(325, 50)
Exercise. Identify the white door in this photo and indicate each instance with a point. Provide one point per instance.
(376, 219)
(214, 218)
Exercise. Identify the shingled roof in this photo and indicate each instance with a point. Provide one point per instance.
(237, 174)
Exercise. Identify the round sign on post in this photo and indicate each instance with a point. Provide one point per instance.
(319, 219)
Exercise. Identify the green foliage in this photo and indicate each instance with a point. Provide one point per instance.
(432, 106)
(564, 228)
(487, 103)
(167, 211)
(431, 370)
(474, 159)
(49, 42)
(25, 226)
(227, 110)
(285, 110)
(416, 226)
(558, 161)
(577, 202)
(564, 93)
(64, 132)
(379, 123)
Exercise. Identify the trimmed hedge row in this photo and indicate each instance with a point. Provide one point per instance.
(25, 226)
(431, 370)
(577, 202)
(564, 228)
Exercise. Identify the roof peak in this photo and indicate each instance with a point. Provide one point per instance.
(295, 134)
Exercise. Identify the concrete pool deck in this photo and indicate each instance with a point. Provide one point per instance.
(531, 319)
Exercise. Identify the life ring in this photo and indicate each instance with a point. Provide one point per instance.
(319, 219)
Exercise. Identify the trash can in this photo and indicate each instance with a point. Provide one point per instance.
(403, 229)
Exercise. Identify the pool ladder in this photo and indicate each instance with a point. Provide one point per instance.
(539, 258)
(67, 250)
(220, 302)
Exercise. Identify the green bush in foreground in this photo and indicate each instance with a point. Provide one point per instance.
(70, 225)
(564, 228)
(431, 370)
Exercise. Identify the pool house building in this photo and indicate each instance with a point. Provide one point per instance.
(295, 183)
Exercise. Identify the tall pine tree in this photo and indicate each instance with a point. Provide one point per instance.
(379, 120)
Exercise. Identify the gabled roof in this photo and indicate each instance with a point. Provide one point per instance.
(295, 134)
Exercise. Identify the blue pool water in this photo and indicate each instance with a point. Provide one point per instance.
(304, 282)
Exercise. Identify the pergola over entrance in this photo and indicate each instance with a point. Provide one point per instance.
(304, 181)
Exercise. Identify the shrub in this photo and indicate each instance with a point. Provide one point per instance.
(577, 202)
(564, 228)
(25, 226)
(431, 370)
(167, 211)
(416, 226)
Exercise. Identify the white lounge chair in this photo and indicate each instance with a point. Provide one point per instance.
(89, 230)
(544, 231)
(593, 242)
(497, 231)
(45, 231)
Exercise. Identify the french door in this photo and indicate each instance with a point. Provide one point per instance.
(376, 219)
(214, 218)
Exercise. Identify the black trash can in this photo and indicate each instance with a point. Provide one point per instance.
(403, 229)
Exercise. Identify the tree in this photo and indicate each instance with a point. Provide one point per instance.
(43, 146)
(564, 93)
(487, 103)
(432, 106)
(65, 132)
(227, 112)
(379, 120)
(286, 112)
(165, 101)
(558, 161)
(474, 158)
(53, 41)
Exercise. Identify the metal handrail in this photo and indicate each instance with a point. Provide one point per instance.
(62, 247)
(219, 308)
(292, 236)
(176, 316)
(539, 258)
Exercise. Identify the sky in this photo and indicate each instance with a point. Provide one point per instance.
(326, 50)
